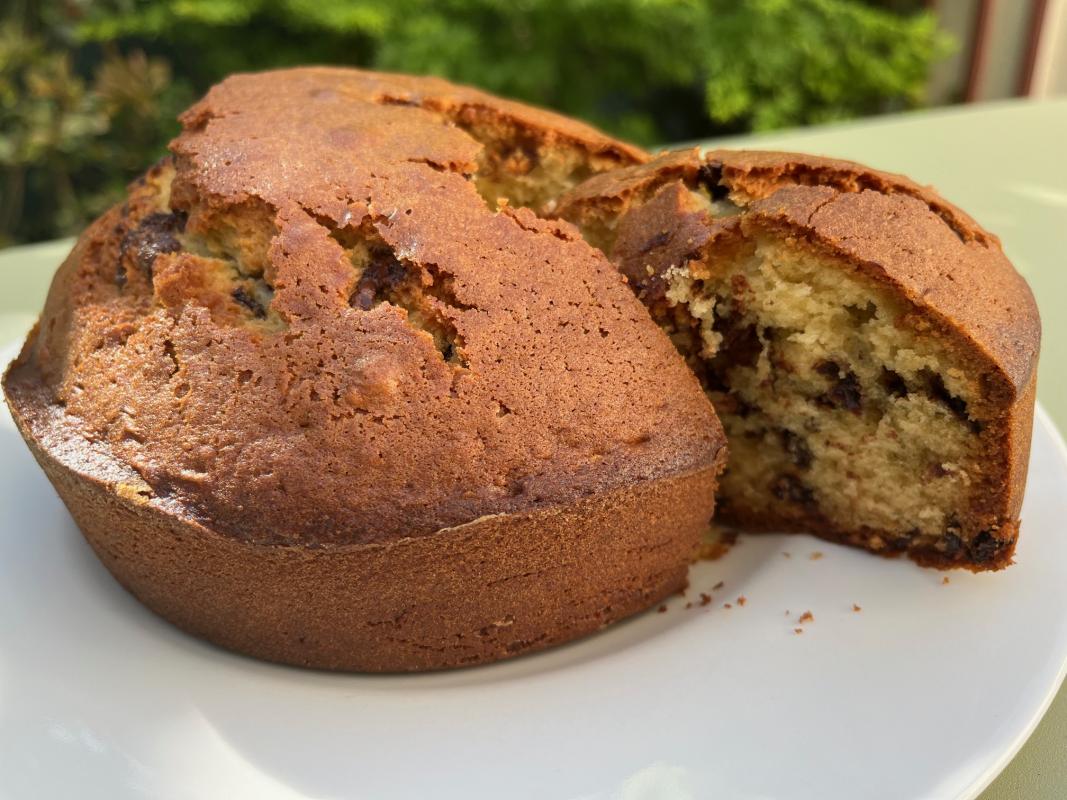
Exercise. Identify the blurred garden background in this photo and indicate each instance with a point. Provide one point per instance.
(89, 89)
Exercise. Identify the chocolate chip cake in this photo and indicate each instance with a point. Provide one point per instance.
(869, 348)
(320, 392)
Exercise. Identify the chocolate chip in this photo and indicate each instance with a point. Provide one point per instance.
(790, 489)
(248, 301)
(845, 392)
(828, 369)
(155, 234)
(380, 277)
(658, 240)
(745, 410)
(937, 391)
(741, 345)
(893, 383)
(984, 547)
(713, 380)
(710, 177)
(950, 544)
(899, 544)
(797, 448)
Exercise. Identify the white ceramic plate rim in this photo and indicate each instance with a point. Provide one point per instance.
(1041, 418)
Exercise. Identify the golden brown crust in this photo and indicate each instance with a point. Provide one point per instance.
(308, 333)
(953, 275)
(496, 587)
(615, 191)
(462, 105)
(760, 173)
(350, 409)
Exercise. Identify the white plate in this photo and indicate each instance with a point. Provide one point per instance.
(926, 692)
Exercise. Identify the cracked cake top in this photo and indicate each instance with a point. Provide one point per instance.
(316, 323)
(935, 255)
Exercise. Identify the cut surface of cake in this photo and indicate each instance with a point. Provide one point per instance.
(869, 348)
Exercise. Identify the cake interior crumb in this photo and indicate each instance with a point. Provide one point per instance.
(519, 168)
(838, 416)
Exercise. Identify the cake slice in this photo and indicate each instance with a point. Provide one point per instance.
(870, 350)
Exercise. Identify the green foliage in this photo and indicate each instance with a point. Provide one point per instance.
(843, 60)
(83, 108)
(72, 135)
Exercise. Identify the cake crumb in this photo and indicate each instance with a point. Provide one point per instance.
(717, 586)
(741, 600)
(727, 605)
(944, 580)
(856, 608)
(816, 555)
(705, 599)
(715, 547)
(661, 609)
(688, 605)
(798, 630)
(786, 554)
(807, 616)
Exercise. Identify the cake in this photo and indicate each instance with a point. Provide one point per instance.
(870, 350)
(321, 392)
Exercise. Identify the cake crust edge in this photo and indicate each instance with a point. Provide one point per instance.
(494, 588)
